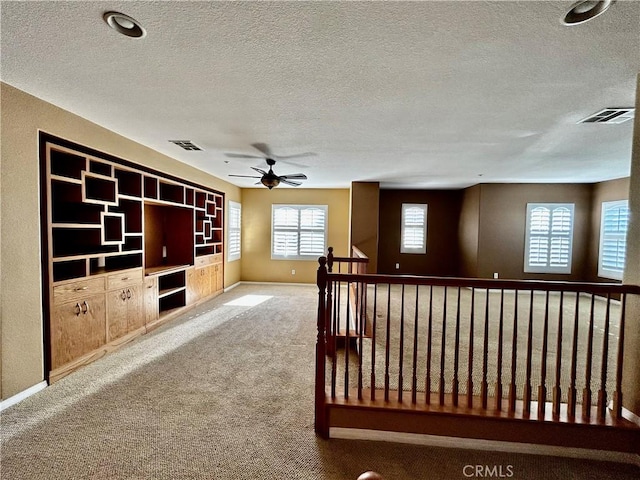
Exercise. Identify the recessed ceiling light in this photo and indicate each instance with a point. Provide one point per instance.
(124, 24)
(585, 10)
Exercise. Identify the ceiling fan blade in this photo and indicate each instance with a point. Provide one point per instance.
(241, 155)
(294, 176)
(264, 148)
(259, 170)
(288, 182)
(297, 155)
(245, 176)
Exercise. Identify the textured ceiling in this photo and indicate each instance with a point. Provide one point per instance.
(430, 94)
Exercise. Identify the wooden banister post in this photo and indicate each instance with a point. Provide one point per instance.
(321, 420)
(330, 260)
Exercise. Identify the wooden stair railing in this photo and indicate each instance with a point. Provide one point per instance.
(454, 333)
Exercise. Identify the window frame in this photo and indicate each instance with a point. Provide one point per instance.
(299, 229)
(233, 256)
(548, 268)
(603, 271)
(403, 226)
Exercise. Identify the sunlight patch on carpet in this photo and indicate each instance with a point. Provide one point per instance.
(248, 301)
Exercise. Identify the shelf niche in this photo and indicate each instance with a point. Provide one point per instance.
(168, 235)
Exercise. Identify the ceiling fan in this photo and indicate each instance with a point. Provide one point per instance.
(270, 179)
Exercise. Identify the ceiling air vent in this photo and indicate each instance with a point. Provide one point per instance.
(610, 115)
(186, 144)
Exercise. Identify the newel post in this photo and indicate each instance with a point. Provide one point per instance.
(321, 420)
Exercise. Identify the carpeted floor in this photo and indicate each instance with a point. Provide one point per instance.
(225, 392)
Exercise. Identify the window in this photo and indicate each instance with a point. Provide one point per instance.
(613, 239)
(414, 228)
(234, 239)
(298, 231)
(549, 240)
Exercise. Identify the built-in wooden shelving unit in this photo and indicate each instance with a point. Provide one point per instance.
(128, 245)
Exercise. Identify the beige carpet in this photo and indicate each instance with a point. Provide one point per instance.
(224, 393)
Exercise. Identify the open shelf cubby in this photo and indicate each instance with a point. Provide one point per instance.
(132, 210)
(67, 205)
(71, 241)
(67, 164)
(100, 168)
(151, 187)
(69, 269)
(168, 235)
(99, 189)
(170, 302)
(170, 192)
(129, 183)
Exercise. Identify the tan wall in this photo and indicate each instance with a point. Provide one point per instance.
(257, 265)
(631, 366)
(365, 205)
(602, 192)
(501, 238)
(468, 230)
(22, 323)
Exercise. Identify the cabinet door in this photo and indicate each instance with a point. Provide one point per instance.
(135, 307)
(204, 281)
(150, 299)
(77, 328)
(116, 314)
(193, 285)
(219, 279)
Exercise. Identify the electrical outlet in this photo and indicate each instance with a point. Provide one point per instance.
(397, 266)
(293, 272)
(495, 275)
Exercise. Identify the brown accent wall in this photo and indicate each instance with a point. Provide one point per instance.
(365, 198)
(501, 238)
(468, 231)
(602, 192)
(443, 213)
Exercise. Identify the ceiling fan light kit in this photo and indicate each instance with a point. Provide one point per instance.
(586, 10)
(270, 179)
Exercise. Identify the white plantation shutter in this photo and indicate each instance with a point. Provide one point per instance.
(233, 241)
(549, 238)
(299, 231)
(414, 228)
(613, 239)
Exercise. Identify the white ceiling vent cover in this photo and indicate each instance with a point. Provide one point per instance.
(610, 115)
(186, 144)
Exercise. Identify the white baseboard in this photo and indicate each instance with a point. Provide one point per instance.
(276, 283)
(231, 287)
(489, 445)
(18, 397)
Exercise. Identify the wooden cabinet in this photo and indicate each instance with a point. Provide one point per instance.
(124, 246)
(77, 327)
(150, 299)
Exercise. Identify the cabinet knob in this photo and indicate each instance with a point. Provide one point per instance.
(78, 310)
(79, 289)
(125, 278)
(128, 293)
(123, 296)
(86, 307)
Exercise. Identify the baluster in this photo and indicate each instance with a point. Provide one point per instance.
(443, 346)
(414, 378)
(572, 393)
(617, 395)
(373, 342)
(347, 341)
(401, 355)
(328, 317)
(456, 355)
(602, 393)
(336, 329)
(527, 381)
(500, 340)
(320, 414)
(557, 389)
(514, 357)
(484, 388)
(586, 393)
(427, 381)
(542, 388)
(471, 328)
(359, 329)
(386, 353)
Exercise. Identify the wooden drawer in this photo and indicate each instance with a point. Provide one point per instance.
(208, 260)
(217, 258)
(124, 279)
(77, 290)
